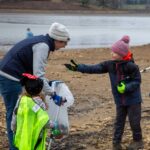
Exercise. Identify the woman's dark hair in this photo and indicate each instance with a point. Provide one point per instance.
(33, 86)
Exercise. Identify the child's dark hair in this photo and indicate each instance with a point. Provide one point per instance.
(33, 85)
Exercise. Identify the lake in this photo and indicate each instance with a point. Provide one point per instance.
(87, 31)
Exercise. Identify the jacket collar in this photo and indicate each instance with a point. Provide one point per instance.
(51, 42)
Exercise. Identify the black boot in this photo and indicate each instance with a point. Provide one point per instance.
(117, 146)
(136, 145)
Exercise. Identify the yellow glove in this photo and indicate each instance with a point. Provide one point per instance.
(121, 87)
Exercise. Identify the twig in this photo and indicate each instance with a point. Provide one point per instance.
(145, 69)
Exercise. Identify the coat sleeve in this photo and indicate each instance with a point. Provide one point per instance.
(135, 80)
(40, 55)
(93, 69)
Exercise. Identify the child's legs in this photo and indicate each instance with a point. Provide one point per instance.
(134, 114)
(10, 91)
(121, 113)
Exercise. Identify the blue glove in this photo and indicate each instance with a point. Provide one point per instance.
(57, 99)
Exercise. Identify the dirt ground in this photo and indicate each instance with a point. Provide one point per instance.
(92, 115)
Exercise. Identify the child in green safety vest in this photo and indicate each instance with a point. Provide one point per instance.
(30, 118)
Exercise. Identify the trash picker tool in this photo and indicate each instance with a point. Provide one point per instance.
(56, 117)
(55, 120)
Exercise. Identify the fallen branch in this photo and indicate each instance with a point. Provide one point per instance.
(145, 69)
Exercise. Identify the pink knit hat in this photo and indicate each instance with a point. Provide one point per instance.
(121, 47)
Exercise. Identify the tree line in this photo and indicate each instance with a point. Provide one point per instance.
(116, 4)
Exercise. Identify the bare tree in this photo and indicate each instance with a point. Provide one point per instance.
(148, 4)
(84, 3)
(102, 3)
(114, 4)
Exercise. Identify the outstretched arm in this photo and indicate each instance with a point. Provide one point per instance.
(92, 69)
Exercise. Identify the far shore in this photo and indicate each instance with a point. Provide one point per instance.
(2, 52)
(80, 12)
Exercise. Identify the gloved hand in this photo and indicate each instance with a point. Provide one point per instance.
(121, 87)
(58, 100)
(73, 66)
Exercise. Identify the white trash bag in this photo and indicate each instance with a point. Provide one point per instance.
(60, 113)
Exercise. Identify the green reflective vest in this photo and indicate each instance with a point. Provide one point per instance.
(31, 121)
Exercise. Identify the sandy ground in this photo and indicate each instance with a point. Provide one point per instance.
(92, 115)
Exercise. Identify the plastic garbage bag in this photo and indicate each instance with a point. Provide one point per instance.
(60, 113)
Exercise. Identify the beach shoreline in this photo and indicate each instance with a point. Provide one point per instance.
(92, 115)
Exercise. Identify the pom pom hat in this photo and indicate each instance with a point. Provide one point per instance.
(121, 47)
(59, 32)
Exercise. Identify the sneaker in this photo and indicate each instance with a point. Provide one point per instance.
(136, 145)
(117, 146)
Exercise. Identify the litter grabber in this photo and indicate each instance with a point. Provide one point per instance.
(72, 65)
(54, 132)
(57, 129)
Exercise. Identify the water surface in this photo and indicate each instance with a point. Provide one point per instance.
(86, 30)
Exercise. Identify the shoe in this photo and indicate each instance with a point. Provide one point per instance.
(117, 146)
(136, 145)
